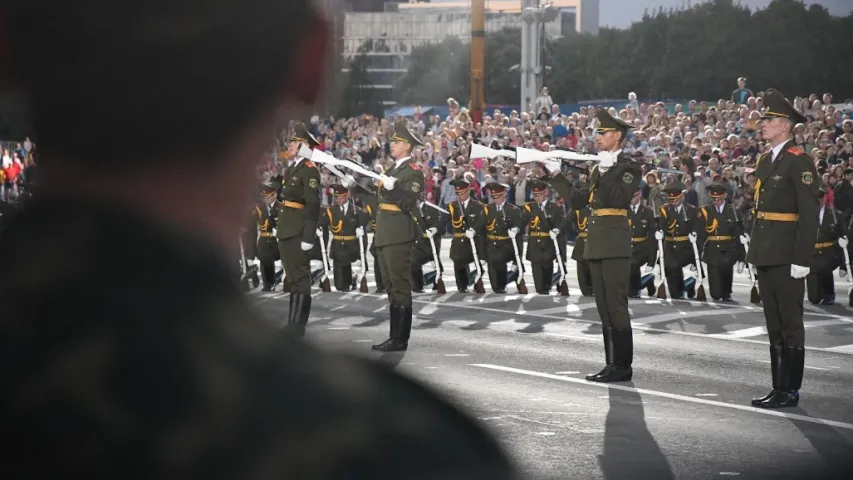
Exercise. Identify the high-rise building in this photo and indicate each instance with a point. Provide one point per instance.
(387, 35)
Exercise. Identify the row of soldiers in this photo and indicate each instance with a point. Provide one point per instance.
(618, 236)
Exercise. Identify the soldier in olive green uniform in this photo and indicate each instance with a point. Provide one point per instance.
(267, 217)
(344, 223)
(503, 222)
(297, 227)
(721, 238)
(613, 183)
(644, 248)
(828, 254)
(400, 189)
(580, 217)
(784, 230)
(678, 222)
(435, 222)
(367, 196)
(545, 221)
(468, 221)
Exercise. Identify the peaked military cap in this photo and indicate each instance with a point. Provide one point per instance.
(496, 188)
(460, 184)
(675, 190)
(339, 190)
(717, 190)
(538, 186)
(269, 188)
(403, 134)
(301, 134)
(609, 123)
(777, 106)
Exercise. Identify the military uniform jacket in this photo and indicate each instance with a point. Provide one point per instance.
(644, 247)
(300, 209)
(498, 243)
(580, 218)
(394, 222)
(828, 255)
(677, 226)
(610, 235)
(720, 235)
(429, 218)
(266, 216)
(341, 227)
(370, 201)
(788, 186)
(540, 246)
(462, 219)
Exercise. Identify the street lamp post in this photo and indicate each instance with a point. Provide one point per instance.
(533, 18)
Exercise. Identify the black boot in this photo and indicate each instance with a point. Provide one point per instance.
(619, 349)
(300, 308)
(401, 328)
(268, 276)
(775, 360)
(790, 379)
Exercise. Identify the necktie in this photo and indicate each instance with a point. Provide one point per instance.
(500, 207)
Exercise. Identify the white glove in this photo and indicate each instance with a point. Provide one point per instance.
(513, 232)
(842, 242)
(693, 267)
(470, 233)
(359, 232)
(842, 273)
(553, 233)
(606, 160)
(306, 246)
(799, 272)
(659, 235)
(274, 232)
(740, 267)
(319, 232)
(744, 239)
(348, 181)
(431, 231)
(647, 269)
(430, 266)
(693, 237)
(388, 182)
(315, 265)
(552, 166)
(511, 266)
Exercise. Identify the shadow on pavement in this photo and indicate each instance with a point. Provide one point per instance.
(630, 450)
(834, 449)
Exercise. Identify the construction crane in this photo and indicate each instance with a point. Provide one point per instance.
(478, 60)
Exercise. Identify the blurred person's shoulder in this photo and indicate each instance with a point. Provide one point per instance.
(131, 345)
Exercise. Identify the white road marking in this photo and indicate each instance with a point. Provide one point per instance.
(682, 315)
(546, 434)
(706, 394)
(841, 349)
(338, 308)
(457, 355)
(337, 328)
(742, 333)
(363, 340)
(729, 474)
(671, 396)
(588, 338)
(567, 373)
(380, 309)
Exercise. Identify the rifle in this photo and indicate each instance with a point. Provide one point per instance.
(478, 281)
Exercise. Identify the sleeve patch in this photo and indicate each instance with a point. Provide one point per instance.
(314, 183)
(807, 178)
(416, 187)
(628, 177)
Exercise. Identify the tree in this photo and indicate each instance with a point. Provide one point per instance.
(357, 95)
(696, 52)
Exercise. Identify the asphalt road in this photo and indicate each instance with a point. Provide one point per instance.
(517, 363)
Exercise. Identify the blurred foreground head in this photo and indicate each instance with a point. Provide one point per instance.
(189, 88)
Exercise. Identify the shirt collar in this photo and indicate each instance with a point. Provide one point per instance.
(401, 161)
(296, 161)
(777, 150)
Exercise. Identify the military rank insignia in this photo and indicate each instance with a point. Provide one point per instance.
(807, 178)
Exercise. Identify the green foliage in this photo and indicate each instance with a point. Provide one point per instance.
(693, 53)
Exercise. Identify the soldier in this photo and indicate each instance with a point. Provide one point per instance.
(644, 248)
(435, 222)
(297, 227)
(396, 231)
(370, 200)
(344, 223)
(468, 222)
(828, 254)
(784, 230)
(545, 221)
(681, 222)
(721, 238)
(613, 182)
(503, 222)
(266, 213)
(580, 217)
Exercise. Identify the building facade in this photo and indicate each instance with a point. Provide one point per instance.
(387, 37)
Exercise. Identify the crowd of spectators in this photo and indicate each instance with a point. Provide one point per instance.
(698, 144)
(16, 157)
